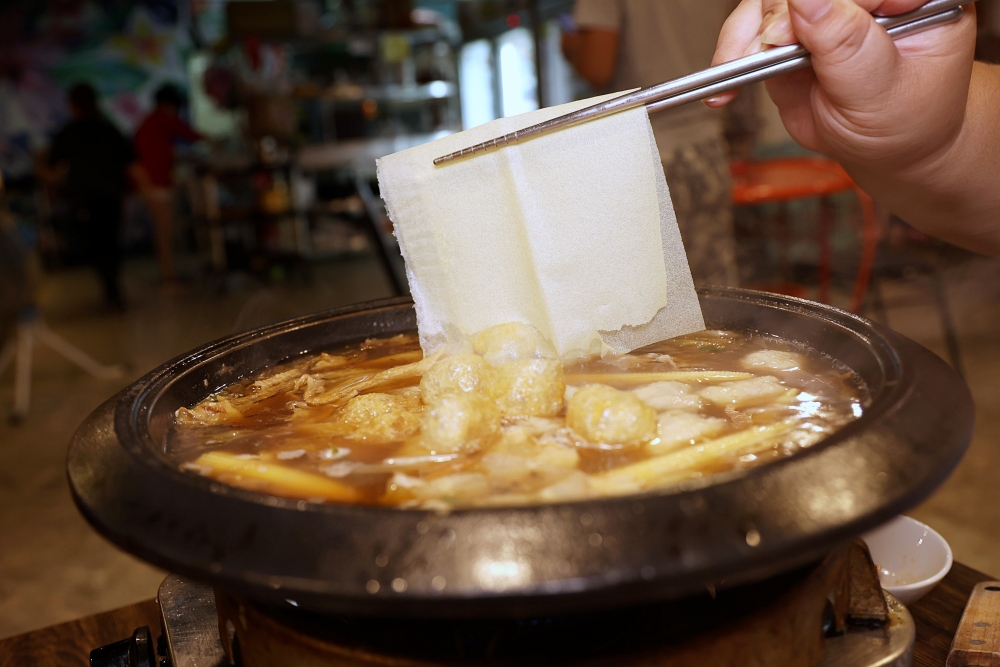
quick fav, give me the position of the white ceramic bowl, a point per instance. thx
(910, 556)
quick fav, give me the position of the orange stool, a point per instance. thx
(783, 180)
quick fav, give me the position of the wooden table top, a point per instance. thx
(937, 615)
(69, 644)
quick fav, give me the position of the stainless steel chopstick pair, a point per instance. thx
(719, 79)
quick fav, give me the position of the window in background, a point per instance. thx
(476, 83)
(518, 84)
(206, 116)
(209, 20)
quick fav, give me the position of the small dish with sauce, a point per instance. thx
(911, 557)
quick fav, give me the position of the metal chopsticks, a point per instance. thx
(716, 80)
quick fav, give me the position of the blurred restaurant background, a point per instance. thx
(271, 210)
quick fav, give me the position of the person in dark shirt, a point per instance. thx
(154, 143)
(92, 161)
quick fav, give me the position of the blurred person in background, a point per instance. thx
(625, 44)
(91, 161)
(154, 143)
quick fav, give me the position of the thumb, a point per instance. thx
(853, 57)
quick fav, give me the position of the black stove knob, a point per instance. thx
(136, 651)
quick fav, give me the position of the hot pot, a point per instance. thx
(723, 531)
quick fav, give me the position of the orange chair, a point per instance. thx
(783, 180)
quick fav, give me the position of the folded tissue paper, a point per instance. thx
(572, 232)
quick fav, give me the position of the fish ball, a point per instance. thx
(745, 393)
(680, 428)
(776, 360)
(668, 395)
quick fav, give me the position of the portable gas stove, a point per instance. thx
(831, 615)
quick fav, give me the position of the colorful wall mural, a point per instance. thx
(126, 50)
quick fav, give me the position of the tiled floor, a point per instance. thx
(966, 509)
(53, 567)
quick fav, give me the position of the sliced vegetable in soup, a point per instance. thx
(511, 424)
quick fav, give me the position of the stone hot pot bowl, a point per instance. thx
(727, 530)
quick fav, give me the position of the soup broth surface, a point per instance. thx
(378, 424)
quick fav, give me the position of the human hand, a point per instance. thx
(868, 102)
(776, 23)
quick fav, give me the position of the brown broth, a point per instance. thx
(276, 442)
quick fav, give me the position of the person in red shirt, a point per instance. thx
(154, 144)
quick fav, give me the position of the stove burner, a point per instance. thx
(734, 628)
(606, 636)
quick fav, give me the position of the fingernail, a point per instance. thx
(714, 100)
(811, 10)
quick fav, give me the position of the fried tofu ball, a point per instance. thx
(531, 388)
(460, 422)
(775, 360)
(379, 418)
(680, 428)
(745, 393)
(605, 415)
(458, 374)
(668, 395)
(513, 341)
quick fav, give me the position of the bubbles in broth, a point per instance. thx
(379, 424)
